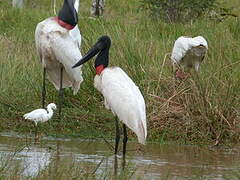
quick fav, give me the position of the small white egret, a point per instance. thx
(121, 95)
(40, 116)
(58, 42)
(188, 53)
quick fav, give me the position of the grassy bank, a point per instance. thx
(202, 109)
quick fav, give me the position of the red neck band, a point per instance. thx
(99, 69)
(63, 24)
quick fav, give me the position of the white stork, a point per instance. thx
(188, 53)
(58, 42)
(121, 95)
(40, 116)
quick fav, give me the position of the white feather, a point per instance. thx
(58, 47)
(189, 52)
(41, 115)
(124, 98)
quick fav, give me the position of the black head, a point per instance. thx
(101, 47)
(68, 13)
(103, 56)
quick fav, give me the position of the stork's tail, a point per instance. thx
(142, 134)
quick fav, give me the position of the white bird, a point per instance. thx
(121, 95)
(40, 115)
(188, 53)
(58, 42)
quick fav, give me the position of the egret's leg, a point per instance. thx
(125, 139)
(117, 135)
(36, 138)
(44, 88)
(60, 92)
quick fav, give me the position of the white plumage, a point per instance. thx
(124, 99)
(189, 52)
(41, 115)
(59, 47)
(121, 95)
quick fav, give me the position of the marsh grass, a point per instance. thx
(202, 109)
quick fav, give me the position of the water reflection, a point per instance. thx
(94, 157)
(33, 160)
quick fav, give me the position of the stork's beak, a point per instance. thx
(73, 11)
(91, 53)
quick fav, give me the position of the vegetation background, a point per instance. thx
(204, 109)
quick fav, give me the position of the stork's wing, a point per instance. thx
(125, 100)
(189, 52)
(57, 47)
(184, 44)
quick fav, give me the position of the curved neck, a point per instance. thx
(50, 112)
(76, 5)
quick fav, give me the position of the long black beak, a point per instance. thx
(91, 53)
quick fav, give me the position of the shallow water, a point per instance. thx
(150, 162)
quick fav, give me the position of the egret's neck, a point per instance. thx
(50, 112)
(76, 5)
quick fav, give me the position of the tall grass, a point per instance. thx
(202, 109)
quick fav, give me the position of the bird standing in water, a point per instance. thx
(188, 53)
(40, 116)
(121, 95)
(58, 42)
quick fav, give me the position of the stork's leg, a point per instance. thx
(97, 13)
(125, 139)
(43, 87)
(60, 92)
(117, 135)
(115, 166)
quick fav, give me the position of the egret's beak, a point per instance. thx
(91, 53)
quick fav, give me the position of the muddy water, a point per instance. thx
(151, 162)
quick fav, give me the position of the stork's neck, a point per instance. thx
(99, 69)
(76, 5)
(63, 24)
(102, 60)
(68, 16)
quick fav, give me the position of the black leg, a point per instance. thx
(125, 139)
(60, 92)
(115, 166)
(117, 135)
(97, 8)
(44, 88)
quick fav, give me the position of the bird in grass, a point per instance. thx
(40, 116)
(121, 95)
(58, 42)
(188, 53)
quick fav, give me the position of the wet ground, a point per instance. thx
(150, 162)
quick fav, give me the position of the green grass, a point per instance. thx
(202, 109)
